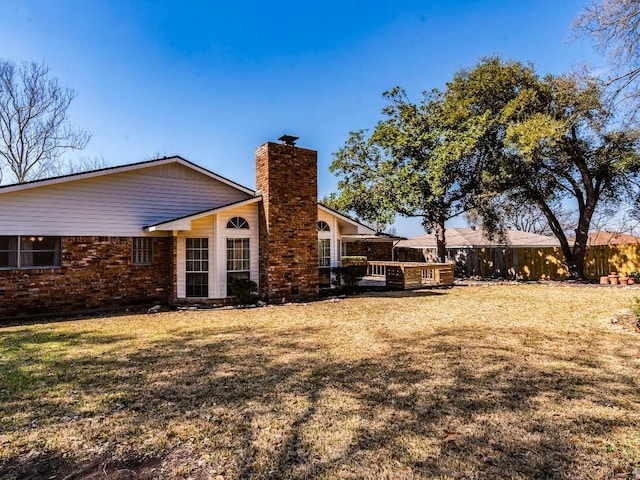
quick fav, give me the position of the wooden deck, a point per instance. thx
(407, 275)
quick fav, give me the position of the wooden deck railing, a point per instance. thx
(412, 274)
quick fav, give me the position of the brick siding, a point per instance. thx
(288, 215)
(96, 272)
(374, 251)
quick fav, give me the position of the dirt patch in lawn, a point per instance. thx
(522, 381)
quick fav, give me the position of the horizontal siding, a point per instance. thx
(250, 214)
(214, 228)
(200, 228)
(117, 204)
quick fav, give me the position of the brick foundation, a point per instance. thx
(288, 216)
(96, 272)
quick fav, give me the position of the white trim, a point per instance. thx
(346, 219)
(184, 223)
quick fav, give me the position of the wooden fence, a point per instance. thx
(543, 263)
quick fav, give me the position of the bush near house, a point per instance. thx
(349, 276)
(243, 290)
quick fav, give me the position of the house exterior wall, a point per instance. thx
(333, 235)
(374, 251)
(250, 214)
(288, 215)
(214, 228)
(95, 272)
(113, 204)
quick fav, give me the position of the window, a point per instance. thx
(197, 267)
(8, 252)
(324, 262)
(238, 264)
(323, 226)
(237, 222)
(142, 251)
(29, 251)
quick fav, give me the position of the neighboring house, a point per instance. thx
(474, 254)
(168, 230)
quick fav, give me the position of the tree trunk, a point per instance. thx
(441, 241)
(573, 257)
(575, 264)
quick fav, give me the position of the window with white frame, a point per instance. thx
(324, 262)
(238, 261)
(197, 267)
(323, 226)
(142, 251)
(237, 222)
(30, 251)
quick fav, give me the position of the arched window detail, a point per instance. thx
(323, 226)
(237, 222)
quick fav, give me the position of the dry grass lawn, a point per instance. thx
(516, 382)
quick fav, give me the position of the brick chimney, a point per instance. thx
(288, 178)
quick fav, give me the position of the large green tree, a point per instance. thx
(398, 169)
(546, 142)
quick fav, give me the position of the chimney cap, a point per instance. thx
(288, 139)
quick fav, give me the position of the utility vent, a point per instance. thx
(288, 139)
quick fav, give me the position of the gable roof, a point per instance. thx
(124, 168)
(184, 222)
(474, 237)
(611, 238)
(362, 228)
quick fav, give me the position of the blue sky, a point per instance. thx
(213, 80)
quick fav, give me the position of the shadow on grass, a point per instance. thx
(421, 292)
(254, 404)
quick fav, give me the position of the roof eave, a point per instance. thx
(184, 222)
(345, 218)
(121, 169)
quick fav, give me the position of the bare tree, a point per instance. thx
(82, 164)
(527, 217)
(34, 130)
(614, 26)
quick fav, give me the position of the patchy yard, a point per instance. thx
(495, 382)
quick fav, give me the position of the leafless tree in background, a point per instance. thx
(34, 129)
(82, 164)
(527, 217)
(614, 26)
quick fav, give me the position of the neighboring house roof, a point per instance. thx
(611, 238)
(120, 169)
(474, 238)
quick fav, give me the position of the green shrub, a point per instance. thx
(350, 275)
(243, 289)
(353, 259)
(635, 275)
